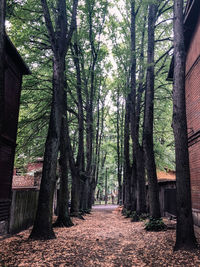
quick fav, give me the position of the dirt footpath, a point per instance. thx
(104, 238)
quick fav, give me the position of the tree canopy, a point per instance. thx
(97, 106)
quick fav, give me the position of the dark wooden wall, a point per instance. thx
(14, 69)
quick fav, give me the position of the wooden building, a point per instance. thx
(167, 192)
(15, 68)
(192, 93)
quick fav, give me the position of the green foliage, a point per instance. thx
(144, 216)
(111, 39)
(155, 225)
(126, 213)
(135, 217)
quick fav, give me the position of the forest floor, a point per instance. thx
(104, 238)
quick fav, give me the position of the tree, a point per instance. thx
(94, 33)
(148, 119)
(127, 165)
(60, 38)
(2, 44)
(78, 166)
(87, 55)
(133, 107)
(63, 219)
(119, 160)
(125, 80)
(87, 91)
(141, 183)
(184, 232)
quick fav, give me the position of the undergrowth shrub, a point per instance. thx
(144, 216)
(126, 213)
(155, 225)
(135, 217)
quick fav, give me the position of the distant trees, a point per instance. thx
(137, 68)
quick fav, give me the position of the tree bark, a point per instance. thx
(80, 155)
(90, 96)
(79, 188)
(119, 169)
(43, 223)
(63, 219)
(185, 238)
(141, 183)
(154, 204)
(106, 187)
(2, 54)
(76, 175)
(127, 167)
(133, 108)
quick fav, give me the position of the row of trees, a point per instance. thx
(138, 91)
(145, 74)
(66, 99)
(71, 50)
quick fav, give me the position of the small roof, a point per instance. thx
(191, 15)
(166, 176)
(12, 51)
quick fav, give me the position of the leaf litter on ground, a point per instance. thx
(105, 238)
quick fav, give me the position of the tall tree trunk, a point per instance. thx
(133, 108)
(75, 195)
(60, 39)
(76, 176)
(91, 94)
(99, 137)
(79, 188)
(2, 53)
(154, 204)
(96, 157)
(80, 156)
(119, 173)
(141, 184)
(106, 187)
(127, 167)
(122, 148)
(43, 223)
(85, 191)
(63, 219)
(91, 194)
(184, 231)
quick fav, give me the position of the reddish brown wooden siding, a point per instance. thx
(193, 113)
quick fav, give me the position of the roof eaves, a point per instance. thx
(11, 50)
